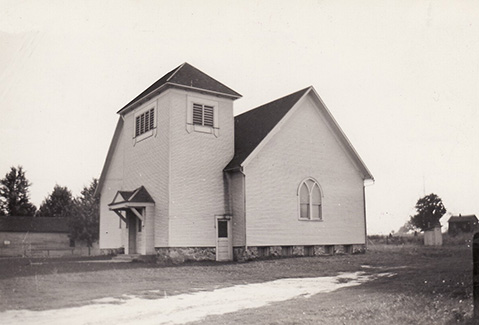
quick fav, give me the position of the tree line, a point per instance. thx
(82, 211)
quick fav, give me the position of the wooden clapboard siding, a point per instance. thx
(146, 164)
(110, 233)
(132, 165)
(196, 172)
(305, 146)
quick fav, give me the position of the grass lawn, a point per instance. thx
(430, 285)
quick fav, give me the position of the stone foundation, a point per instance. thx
(262, 252)
(112, 251)
(177, 255)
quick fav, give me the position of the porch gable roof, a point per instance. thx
(136, 197)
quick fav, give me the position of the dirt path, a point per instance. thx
(184, 308)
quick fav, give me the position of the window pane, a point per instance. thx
(304, 210)
(222, 229)
(316, 212)
(316, 195)
(304, 194)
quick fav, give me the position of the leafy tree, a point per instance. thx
(406, 228)
(58, 204)
(84, 224)
(14, 196)
(429, 210)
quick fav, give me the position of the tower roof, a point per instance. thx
(184, 76)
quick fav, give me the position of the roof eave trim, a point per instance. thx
(158, 90)
(142, 100)
(234, 169)
(109, 155)
(362, 166)
(204, 90)
(126, 205)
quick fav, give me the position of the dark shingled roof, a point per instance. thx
(253, 126)
(468, 218)
(125, 195)
(34, 224)
(140, 195)
(188, 76)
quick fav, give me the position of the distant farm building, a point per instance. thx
(462, 224)
(38, 236)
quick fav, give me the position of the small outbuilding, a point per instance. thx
(462, 224)
(433, 236)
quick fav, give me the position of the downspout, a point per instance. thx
(226, 193)
(240, 170)
(244, 207)
(364, 213)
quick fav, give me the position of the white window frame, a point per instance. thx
(315, 184)
(141, 111)
(190, 126)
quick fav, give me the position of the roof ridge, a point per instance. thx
(187, 65)
(275, 100)
(176, 70)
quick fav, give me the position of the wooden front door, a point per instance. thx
(131, 233)
(224, 239)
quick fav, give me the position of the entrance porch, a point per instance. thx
(137, 210)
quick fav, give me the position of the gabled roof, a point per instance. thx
(253, 126)
(183, 76)
(467, 218)
(34, 224)
(140, 195)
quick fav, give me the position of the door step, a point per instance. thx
(128, 258)
(125, 258)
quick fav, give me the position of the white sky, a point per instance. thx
(400, 77)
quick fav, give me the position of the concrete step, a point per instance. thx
(126, 257)
(135, 257)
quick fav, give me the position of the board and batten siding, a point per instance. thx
(305, 146)
(197, 160)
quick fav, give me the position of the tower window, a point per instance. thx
(145, 122)
(202, 116)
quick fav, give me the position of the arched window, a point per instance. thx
(309, 193)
